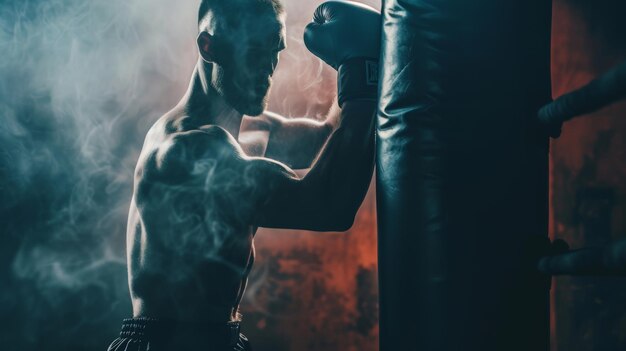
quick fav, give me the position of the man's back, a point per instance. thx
(189, 242)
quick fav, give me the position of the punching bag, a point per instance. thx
(462, 175)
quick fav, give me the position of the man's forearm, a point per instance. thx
(333, 117)
(342, 173)
(340, 177)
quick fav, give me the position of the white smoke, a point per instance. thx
(81, 83)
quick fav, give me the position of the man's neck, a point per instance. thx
(204, 106)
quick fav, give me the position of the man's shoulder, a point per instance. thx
(197, 144)
(197, 139)
(177, 155)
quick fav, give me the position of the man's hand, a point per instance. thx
(346, 35)
(343, 30)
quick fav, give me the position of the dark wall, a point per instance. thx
(589, 175)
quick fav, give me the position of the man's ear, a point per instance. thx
(206, 47)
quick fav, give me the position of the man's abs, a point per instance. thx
(183, 273)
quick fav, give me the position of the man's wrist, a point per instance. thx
(357, 78)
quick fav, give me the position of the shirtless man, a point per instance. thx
(201, 191)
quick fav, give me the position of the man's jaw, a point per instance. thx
(256, 102)
(255, 109)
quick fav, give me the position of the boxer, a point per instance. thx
(201, 190)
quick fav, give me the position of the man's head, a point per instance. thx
(239, 42)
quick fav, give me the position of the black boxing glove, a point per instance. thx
(346, 35)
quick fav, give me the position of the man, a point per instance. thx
(200, 193)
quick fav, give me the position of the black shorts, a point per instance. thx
(150, 334)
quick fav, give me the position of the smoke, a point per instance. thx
(82, 81)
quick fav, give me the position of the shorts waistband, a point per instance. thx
(147, 328)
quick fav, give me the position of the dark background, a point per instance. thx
(82, 81)
(588, 175)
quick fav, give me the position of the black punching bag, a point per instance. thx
(462, 175)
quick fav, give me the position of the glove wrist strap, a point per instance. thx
(357, 78)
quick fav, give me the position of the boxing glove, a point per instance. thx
(346, 35)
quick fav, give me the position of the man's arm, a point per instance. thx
(328, 197)
(346, 35)
(266, 193)
(295, 142)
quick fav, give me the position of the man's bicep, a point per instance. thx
(296, 141)
(285, 201)
(272, 184)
